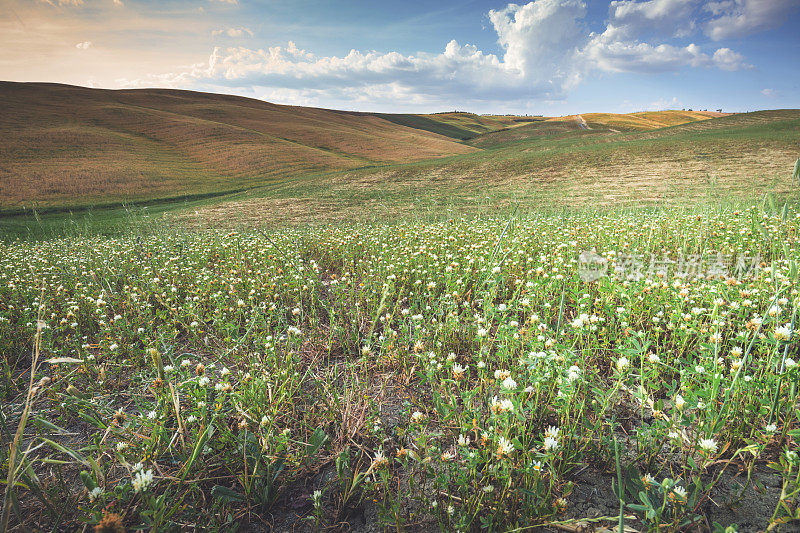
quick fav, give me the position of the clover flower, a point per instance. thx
(142, 480)
(708, 445)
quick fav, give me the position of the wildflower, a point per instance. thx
(121, 446)
(191, 419)
(316, 497)
(653, 358)
(574, 373)
(504, 447)
(623, 363)
(648, 481)
(550, 444)
(142, 480)
(790, 363)
(488, 489)
(708, 445)
(451, 510)
(680, 403)
(185, 363)
(463, 441)
(537, 466)
(482, 332)
(500, 374)
(770, 428)
(509, 383)
(783, 333)
(152, 415)
(224, 372)
(200, 369)
(678, 494)
(95, 493)
(458, 371)
(379, 460)
(552, 432)
(119, 417)
(501, 406)
(204, 381)
(417, 417)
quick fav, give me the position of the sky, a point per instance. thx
(550, 57)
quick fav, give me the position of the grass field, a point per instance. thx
(66, 147)
(546, 163)
(453, 375)
(314, 320)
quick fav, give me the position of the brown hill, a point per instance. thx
(71, 146)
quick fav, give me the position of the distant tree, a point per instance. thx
(719, 110)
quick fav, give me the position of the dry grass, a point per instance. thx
(65, 145)
(647, 120)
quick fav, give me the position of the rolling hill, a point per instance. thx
(65, 147)
(71, 146)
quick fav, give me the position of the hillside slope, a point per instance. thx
(551, 163)
(70, 146)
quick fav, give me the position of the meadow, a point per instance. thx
(574, 369)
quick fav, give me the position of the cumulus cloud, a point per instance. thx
(83, 45)
(663, 103)
(673, 16)
(737, 18)
(546, 50)
(232, 32)
(540, 37)
(624, 56)
(769, 93)
(618, 48)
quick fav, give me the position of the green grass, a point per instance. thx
(428, 124)
(434, 371)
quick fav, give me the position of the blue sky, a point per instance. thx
(542, 57)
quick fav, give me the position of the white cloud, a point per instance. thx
(539, 37)
(606, 52)
(662, 16)
(234, 2)
(663, 103)
(233, 32)
(64, 2)
(539, 40)
(769, 93)
(83, 45)
(546, 51)
(727, 59)
(736, 18)
(618, 48)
